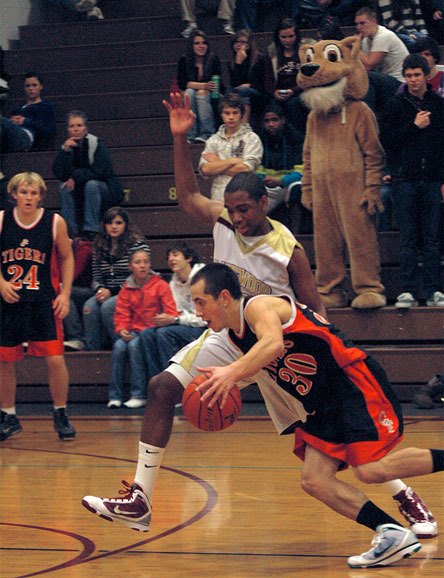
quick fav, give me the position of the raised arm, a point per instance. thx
(189, 196)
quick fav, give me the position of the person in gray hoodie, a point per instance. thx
(234, 149)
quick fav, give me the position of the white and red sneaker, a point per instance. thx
(416, 512)
(132, 509)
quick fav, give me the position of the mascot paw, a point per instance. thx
(337, 299)
(369, 300)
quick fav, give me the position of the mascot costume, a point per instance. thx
(342, 172)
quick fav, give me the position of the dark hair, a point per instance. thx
(252, 50)
(33, 74)
(415, 61)
(427, 43)
(187, 251)
(330, 29)
(249, 182)
(77, 113)
(218, 277)
(367, 11)
(232, 100)
(284, 24)
(274, 108)
(191, 57)
(131, 235)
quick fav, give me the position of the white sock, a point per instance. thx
(395, 486)
(148, 466)
(9, 410)
(56, 407)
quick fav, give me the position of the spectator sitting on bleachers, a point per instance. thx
(195, 72)
(31, 123)
(404, 18)
(74, 339)
(281, 71)
(245, 70)
(170, 333)
(412, 133)
(225, 13)
(87, 7)
(316, 11)
(381, 49)
(88, 183)
(247, 11)
(143, 296)
(111, 249)
(234, 149)
(281, 166)
(429, 49)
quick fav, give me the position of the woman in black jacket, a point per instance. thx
(88, 183)
(196, 72)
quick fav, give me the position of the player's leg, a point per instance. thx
(391, 543)
(9, 423)
(58, 380)
(164, 392)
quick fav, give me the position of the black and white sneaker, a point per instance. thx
(9, 425)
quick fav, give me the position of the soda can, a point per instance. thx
(216, 78)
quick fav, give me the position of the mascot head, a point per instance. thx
(331, 73)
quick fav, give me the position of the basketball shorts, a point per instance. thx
(32, 322)
(361, 425)
(217, 349)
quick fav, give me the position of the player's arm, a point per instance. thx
(265, 315)
(303, 283)
(66, 260)
(189, 196)
(372, 60)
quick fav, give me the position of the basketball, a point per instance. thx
(210, 418)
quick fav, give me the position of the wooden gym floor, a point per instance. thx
(227, 505)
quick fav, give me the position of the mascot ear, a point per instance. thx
(357, 81)
(303, 51)
(353, 43)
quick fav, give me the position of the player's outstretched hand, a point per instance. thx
(181, 116)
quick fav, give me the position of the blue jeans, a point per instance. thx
(408, 41)
(138, 384)
(94, 194)
(72, 324)
(13, 138)
(417, 206)
(98, 323)
(384, 220)
(201, 106)
(159, 344)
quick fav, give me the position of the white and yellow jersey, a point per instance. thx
(260, 262)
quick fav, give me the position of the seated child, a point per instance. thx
(143, 296)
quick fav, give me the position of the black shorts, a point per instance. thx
(33, 322)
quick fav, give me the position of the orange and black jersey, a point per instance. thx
(28, 255)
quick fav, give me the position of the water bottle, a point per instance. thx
(216, 78)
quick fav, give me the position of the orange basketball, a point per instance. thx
(210, 418)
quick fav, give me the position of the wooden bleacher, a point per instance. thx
(118, 71)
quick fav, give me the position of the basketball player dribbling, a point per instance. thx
(268, 260)
(353, 416)
(37, 267)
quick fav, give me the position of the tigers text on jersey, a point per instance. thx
(28, 255)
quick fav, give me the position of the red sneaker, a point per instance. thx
(416, 512)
